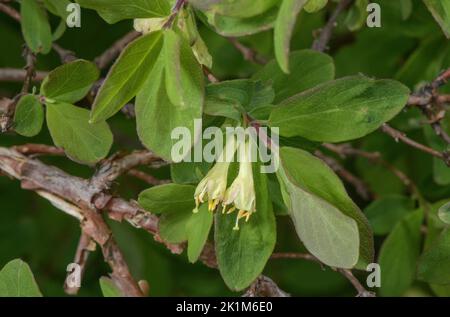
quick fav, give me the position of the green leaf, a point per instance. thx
(59, 31)
(308, 69)
(113, 11)
(242, 254)
(232, 26)
(189, 172)
(384, 213)
(35, 27)
(167, 198)
(70, 129)
(315, 5)
(357, 15)
(58, 7)
(17, 280)
(238, 95)
(184, 76)
(157, 116)
(406, 7)
(441, 172)
(327, 221)
(284, 26)
(434, 265)
(344, 109)
(172, 225)
(70, 82)
(399, 254)
(127, 76)
(242, 8)
(29, 116)
(109, 289)
(444, 213)
(197, 229)
(441, 12)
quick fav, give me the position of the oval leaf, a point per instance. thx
(340, 110)
(308, 69)
(328, 222)
(29, 116)
(70, 82)
(127, 76)
(167, 198)
(284, 25)
(242, 254)
(70, 129)
(157, 116)
(113, 11)
(197, 229)
(35, 27)
(17, 280)
(399, 254)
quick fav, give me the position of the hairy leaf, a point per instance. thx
(340, 110)
(327, 221)
(308, 69)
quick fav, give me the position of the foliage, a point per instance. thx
(361, 88)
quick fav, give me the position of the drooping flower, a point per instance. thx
(241, 193)
(213, 186)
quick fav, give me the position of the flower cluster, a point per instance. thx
(240, 195)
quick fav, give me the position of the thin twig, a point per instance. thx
(264, 287)
(10, 11)
(362, 292)
(112, 168)
(176, 8)
(19, 75)
(149, 179)
(85, 246)
(248, 53)
(30, 71)
(359, 185)
(400, 136)
(321, 43)
(210, 75)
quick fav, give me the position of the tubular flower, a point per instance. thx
(242, 192)
(213, 186)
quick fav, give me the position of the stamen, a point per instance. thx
(231, 210)
(240, 215)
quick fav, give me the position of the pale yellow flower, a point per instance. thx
(241, 193)
(213, 186)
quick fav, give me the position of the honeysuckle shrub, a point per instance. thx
(241, 64)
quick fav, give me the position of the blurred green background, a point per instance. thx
(412, 50)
